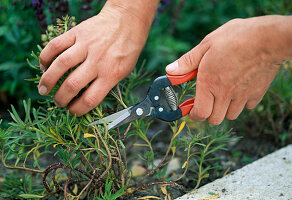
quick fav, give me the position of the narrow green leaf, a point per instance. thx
(118, 193)
(31, 196)
(31, 65)
(122, 144)
(39, 48)
(34, 56)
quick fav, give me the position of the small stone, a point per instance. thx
(172, 166)
(138, 170)
(155, 162)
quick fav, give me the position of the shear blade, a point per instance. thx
(126, 118)
(110, 118)
(120, 121)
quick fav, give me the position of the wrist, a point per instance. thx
(284, 39)
(276, 32)
(140, 10)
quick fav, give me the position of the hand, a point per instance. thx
(106, 47)
(236, 64)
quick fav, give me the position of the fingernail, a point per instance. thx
(172, 66)
(43, 90)
(57, 104)
(42, 68)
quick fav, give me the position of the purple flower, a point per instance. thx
(160, 9)
(164, 2)
(58, 8)
(38, 6)
(162, 6)
(84, 7)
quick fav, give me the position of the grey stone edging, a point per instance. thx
(269, 178)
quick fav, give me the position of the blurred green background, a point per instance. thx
(178, 26)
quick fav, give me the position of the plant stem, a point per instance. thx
(19, 168)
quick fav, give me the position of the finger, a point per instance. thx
(221, 105)
(55, 47)
(203, 104)
(68, 59)
(251, 104)
(189, 61)
(235, 108)
(91, 97)
(74, 83)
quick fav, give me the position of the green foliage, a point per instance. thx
(185, 23)
(18, 34)
(108, 193)
(14, 187)
(54, 31)
(272, 118)
(77, 161)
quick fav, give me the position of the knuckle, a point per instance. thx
(72, 85)
(90, 101)
(250, 106)
(116, 73)
(42, 58)
(187, 59)
(206, 39)
(215, 121)
(47, 80)
(64, 59)
(58, 103)
(231, 116)
(55, 44)
(196, 118)
(199, 115)
(235, 21)
(242, 96)
(252, 103)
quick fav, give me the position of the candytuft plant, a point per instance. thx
(59, 155)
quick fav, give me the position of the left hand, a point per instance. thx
(106, 47)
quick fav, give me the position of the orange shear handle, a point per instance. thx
(186, 106)
(180, 79)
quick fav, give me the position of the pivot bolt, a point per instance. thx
(160, 109)
(139, 111)
(156, 98)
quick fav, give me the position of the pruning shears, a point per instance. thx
(152, 105)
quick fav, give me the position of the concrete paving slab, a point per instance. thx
(269, 178)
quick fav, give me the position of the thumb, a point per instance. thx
(188, 62)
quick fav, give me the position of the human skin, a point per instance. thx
(106, 47)
(236, 64)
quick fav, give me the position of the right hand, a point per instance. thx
(236, 64)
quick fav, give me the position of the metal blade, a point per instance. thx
(110, 118)
(125, 118)
(127, 115)
(118, 121)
